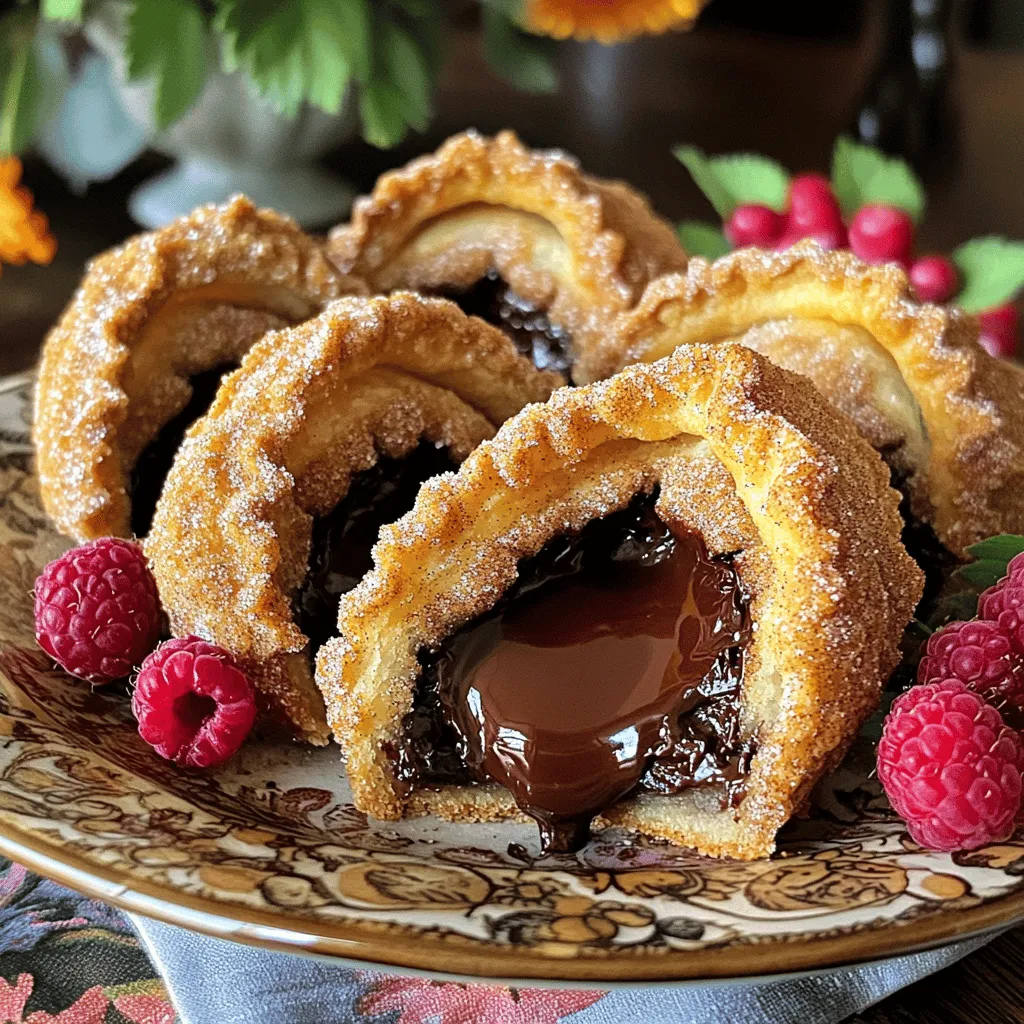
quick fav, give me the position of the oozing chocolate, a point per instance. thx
(342, 539)
(615, 660)
(536, 337)
(153, 465)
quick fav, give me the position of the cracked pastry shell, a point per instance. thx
(582, 248)
(946, 415)
(310, 407)
(747, 454)
(150, 314)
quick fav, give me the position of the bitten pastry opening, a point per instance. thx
(546, 344)
(613, 663)
(343, 538)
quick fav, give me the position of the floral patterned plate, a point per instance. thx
(269, 849)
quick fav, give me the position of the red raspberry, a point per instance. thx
(754, 224)
(97, 610)
(980, 656)
(935, 279)
(1003, 605)
(193, 704)
(882, 234)
(950, 767)
(1000, 330)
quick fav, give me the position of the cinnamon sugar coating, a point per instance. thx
(911, 375)
(748, 454)
(579, 247)
(311, 406)
(148, 315)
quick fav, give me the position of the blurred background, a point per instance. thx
(115, 122)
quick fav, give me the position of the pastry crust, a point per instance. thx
(149, 315)
(911, 376)
(311, 406)
(749, 455)
(579, 247)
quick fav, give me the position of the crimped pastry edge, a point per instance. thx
(968, 400)
(618, 244)
(833, 586)
(80, 401)
(309, 406)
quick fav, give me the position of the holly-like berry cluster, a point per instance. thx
(877, 233)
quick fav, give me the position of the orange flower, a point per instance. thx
(24, 233)
(608, 21)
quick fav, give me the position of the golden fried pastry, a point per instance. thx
(944, 414)
(323, 434)
(141, 348)
(668, 599)
(522, 238)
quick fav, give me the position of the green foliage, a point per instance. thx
(732, 180)
(21, 87)
(701, 239)
(991, 272)
(862, 174)
(524, 61)
(62, 10)
(166, 44)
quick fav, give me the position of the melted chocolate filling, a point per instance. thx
(615, 661)
(342, 539)
(533, 334)
(153, 465)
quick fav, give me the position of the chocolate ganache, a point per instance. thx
(614, 661)
(533, 334)
(153, 465)
(342, 540)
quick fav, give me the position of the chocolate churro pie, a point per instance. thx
(666, 601)
(325, 433)
(522, 238)
(911, 376)
(140, 351)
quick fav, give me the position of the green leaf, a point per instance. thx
(62, 10)
(992, 272)
(380, 107)
(737, 178)
(862, 174)
(166, 43)
(303, 50)
(983, 573)
(21, 84)
(526, 62)
(409, 73)
(1003, 547)
(701, 239)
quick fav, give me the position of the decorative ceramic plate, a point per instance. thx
(269, 850)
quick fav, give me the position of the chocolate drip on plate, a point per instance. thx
(614, 661)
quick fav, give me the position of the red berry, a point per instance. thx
(810, 189)
(935, 279)
(950, 767)
(1000, 330)
(193, 704)
(754, 224)
(827, 238)
(814, 214)
(1003, 605)
(97, 611)
(882, 234)
(980, 656)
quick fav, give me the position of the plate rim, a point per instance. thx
(372, 942)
